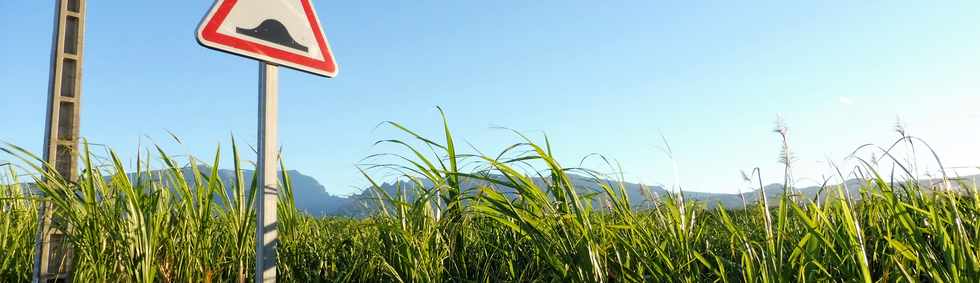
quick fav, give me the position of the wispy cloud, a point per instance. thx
(844, 100)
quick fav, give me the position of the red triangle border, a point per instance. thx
(209, 36)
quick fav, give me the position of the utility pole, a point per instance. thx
(53, 256)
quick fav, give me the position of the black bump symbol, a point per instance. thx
(273, 31)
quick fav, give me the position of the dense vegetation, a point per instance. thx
(199, 228)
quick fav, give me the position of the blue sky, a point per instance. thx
(597, 77)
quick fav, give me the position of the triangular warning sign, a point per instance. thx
(281, 32)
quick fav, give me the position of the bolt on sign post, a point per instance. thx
(53, 256)
(277, 33)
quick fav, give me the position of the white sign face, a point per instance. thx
(281, 32)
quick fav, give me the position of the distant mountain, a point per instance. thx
(311, 197)
(639, 194)
(774, 191)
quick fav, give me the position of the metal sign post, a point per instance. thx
(266, 234)
(52, 254)
(277, 33)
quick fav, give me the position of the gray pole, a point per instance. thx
(52, 254)
(266, 234)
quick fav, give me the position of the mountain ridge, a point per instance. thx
(312, 197)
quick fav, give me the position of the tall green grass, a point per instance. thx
(515, 216)
(18, 225)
